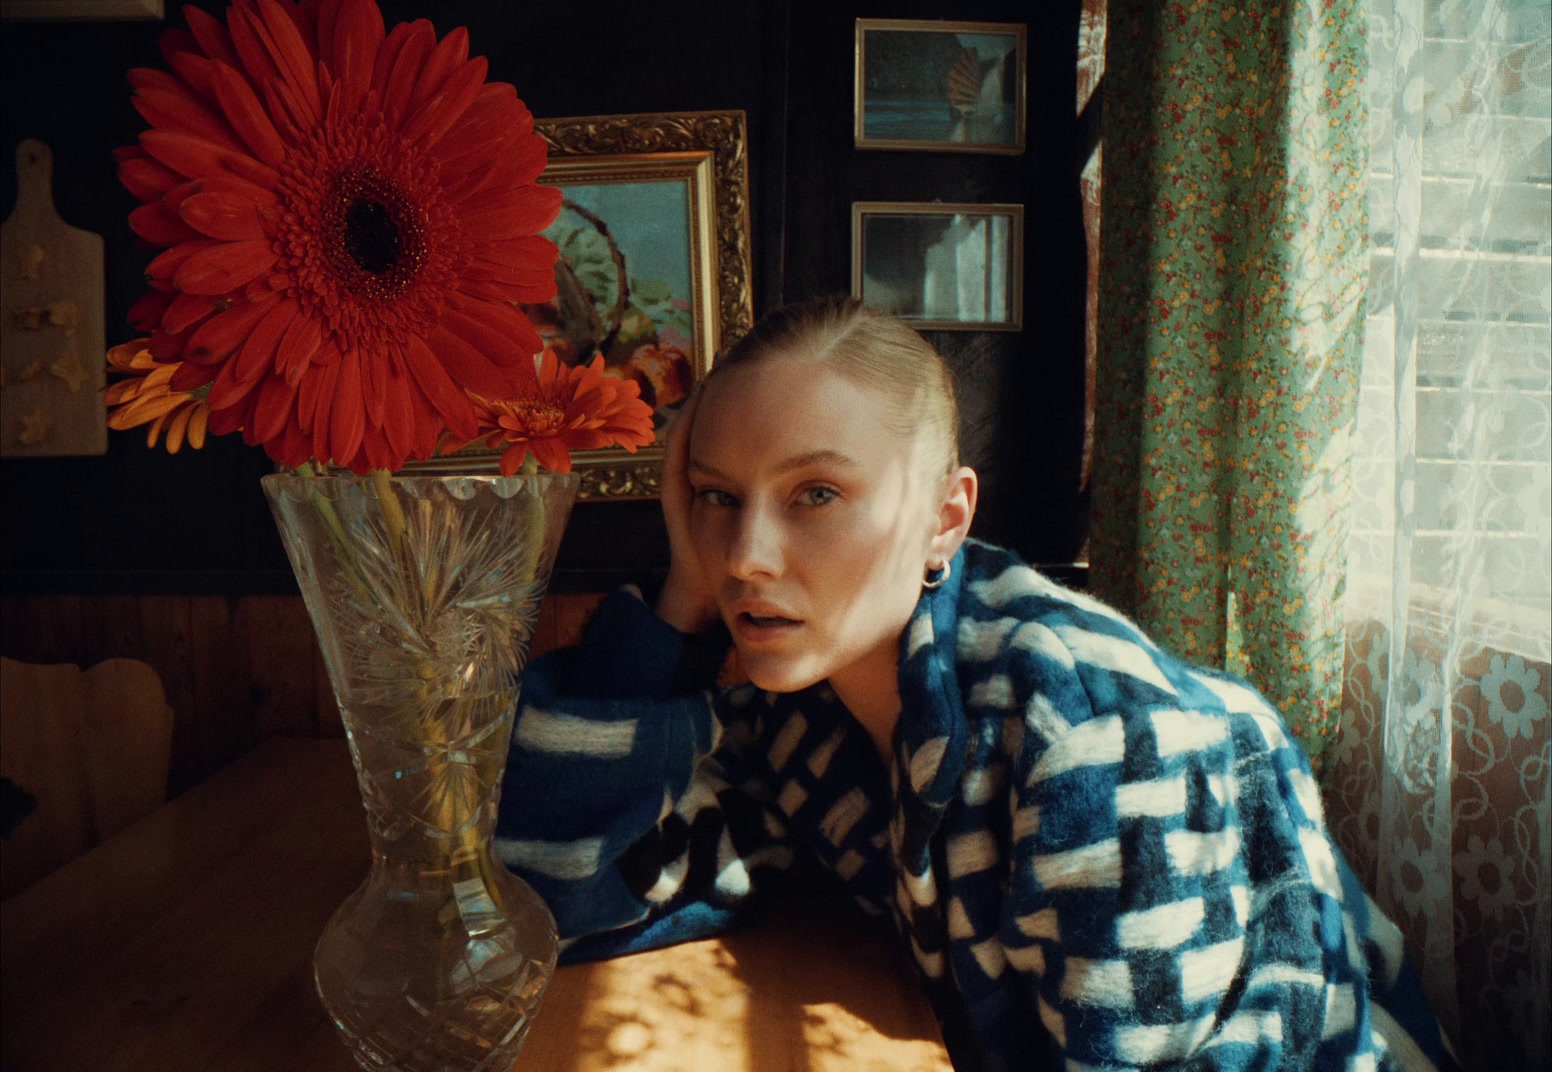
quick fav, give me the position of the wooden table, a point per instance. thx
(185, 943)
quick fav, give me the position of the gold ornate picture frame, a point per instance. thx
(654, 271)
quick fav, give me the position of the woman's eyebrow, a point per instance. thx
(697, 466)
(815, 457)
(797, 461)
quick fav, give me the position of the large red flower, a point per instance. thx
(349, 214)
(571, 407)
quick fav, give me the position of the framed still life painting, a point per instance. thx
(940, 86)
(940, 267)
(654, 267)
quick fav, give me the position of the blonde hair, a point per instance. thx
(875, 351)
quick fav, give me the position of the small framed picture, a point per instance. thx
(940, 267)
(941, 86)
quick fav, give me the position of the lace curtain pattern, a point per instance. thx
(1439, 789)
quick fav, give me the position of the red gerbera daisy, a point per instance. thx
(350, 214)
(572, 407)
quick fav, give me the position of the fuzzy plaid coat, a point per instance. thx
(1096, 855)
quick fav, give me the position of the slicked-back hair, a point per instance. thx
(877, 352)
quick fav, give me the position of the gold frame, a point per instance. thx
(1016, 30)
(860, 209)
(709, 152)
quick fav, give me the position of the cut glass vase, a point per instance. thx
(424, 591)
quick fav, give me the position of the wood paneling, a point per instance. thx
(236, 670)
(283, 666)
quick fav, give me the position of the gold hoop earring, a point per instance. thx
(942, 574)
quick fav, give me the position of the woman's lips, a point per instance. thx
(755, 628)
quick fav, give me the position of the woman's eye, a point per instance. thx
(715, 497)
(818, 496)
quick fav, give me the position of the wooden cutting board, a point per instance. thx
(51, 323)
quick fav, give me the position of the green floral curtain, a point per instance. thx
(1233, 263)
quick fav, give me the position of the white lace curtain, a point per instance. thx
(1439, 790)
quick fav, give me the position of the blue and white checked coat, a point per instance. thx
(1094, 853)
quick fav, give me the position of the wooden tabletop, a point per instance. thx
(185, 943)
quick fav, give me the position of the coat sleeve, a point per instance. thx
(1175, 902)
(619, 804)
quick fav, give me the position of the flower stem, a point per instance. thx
(342, 543)
(533, 506)
(393, 516)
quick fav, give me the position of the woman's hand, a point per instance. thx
(686, 602)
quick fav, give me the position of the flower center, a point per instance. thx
(370, 245)
(535, 417)
(372, 236)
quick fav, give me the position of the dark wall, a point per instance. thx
(1021, 394)
(137, 520)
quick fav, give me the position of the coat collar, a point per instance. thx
(931, 739)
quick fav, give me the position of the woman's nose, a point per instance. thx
(757, 545)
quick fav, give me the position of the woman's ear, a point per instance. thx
(955, 513)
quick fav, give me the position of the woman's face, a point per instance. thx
(810, 521)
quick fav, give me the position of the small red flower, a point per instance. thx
(572, 407)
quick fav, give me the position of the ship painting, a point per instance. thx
(938, 89)
(977, 97)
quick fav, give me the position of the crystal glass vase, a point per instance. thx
(424, 591)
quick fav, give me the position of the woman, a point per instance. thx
(1091, 850)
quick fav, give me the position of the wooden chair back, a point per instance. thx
(92, 748)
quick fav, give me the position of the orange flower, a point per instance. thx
(572, 407)
(350, 214)
(144, 395)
